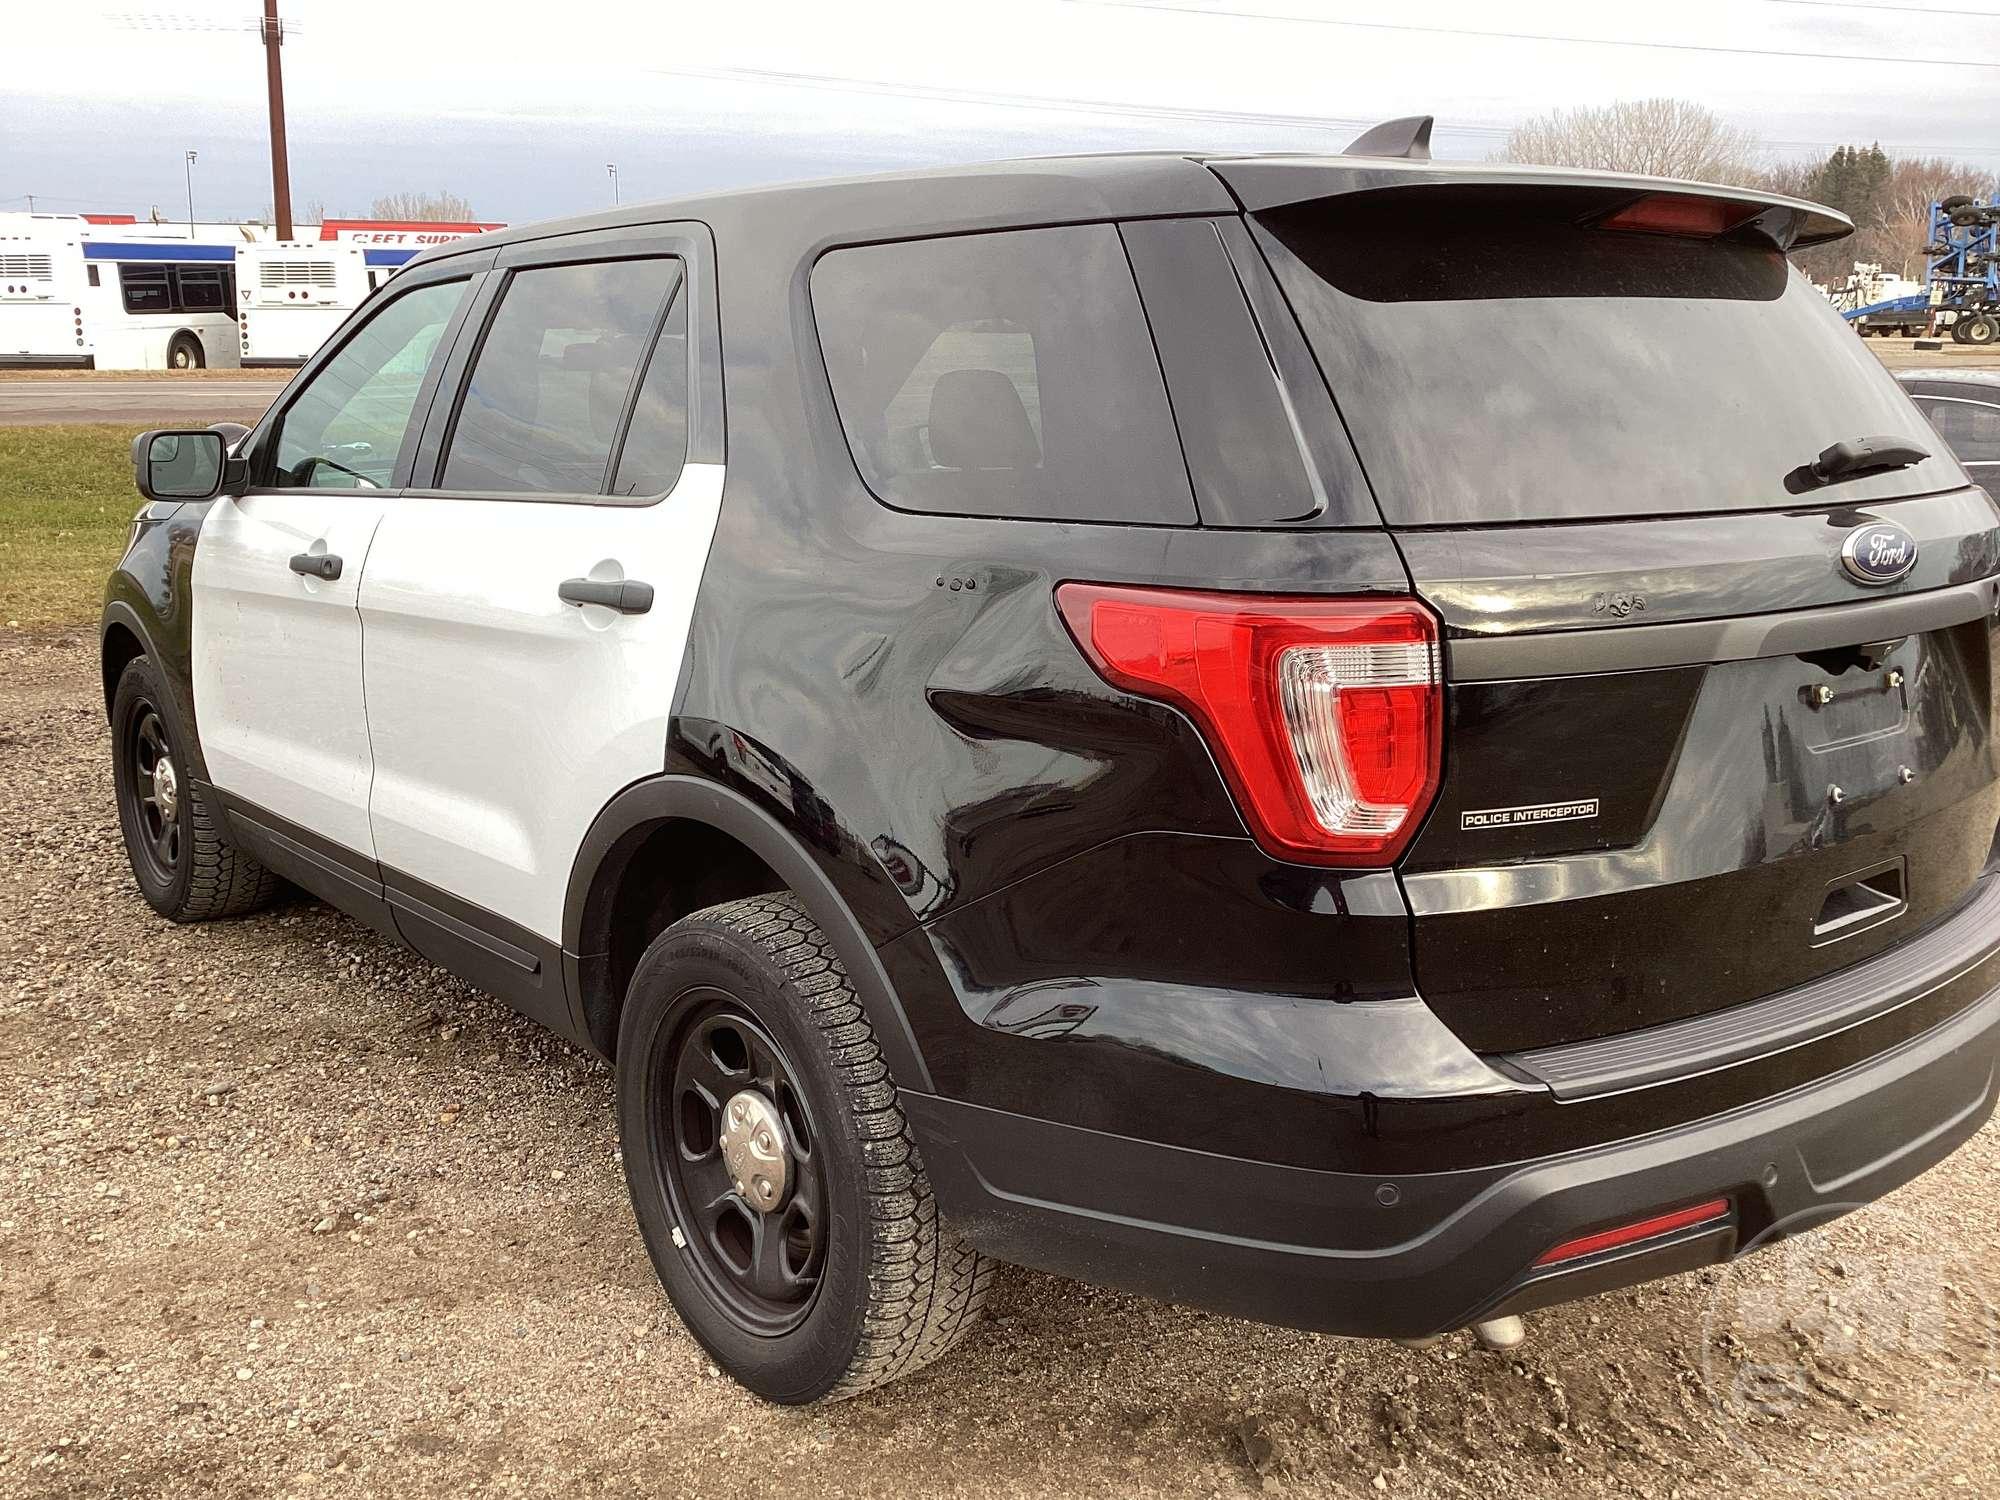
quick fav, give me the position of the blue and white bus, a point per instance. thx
(117, 295)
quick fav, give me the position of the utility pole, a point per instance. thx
(281, 172)
(190, 183)
(611, 168)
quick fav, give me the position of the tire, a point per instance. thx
(186, 866)
(185, 353)
(1981, 328)
(868, 1283)
(1956, 200)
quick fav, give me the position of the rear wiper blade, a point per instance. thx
(1865, 456)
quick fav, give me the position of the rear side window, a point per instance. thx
(1498, 358)
(554, 376)
(1005, 374)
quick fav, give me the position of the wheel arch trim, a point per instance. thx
(121, 614)
(118, 615)
(607, 850)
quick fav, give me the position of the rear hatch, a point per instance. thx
(1690, 758)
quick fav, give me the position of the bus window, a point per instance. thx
(146, 289)
(201, 289)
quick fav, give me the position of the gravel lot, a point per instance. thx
(286, 1211)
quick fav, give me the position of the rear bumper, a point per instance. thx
(1415, 1254)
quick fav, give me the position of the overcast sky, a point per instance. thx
(519, 107)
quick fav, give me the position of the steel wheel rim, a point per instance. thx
(156, 814)
(762, 1268)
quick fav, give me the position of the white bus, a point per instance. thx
(118, 295)
(291, 294)
(41, 291)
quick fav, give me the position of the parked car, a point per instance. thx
(1964, 407)
(1358, 742)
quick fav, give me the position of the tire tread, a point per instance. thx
(223, 880)
(926, 1287)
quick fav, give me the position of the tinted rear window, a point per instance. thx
(1002, 374)
(1497, 359)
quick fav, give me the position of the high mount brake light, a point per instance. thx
(1673, 213)
(1326, 715)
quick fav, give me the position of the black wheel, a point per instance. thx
(772, 1171)
(185, 865)
(1958, 330)
(1981, 328)
(185, 353)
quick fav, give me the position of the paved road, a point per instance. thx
(1903, 354)
(140, 401)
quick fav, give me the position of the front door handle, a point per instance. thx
(322, 565)
(628, 596)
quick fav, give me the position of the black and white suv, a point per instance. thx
(1358, 742)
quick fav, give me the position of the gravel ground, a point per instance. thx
(285, 1211)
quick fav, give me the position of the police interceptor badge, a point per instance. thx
(1525, 817)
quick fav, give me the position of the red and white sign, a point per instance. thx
(392, 234)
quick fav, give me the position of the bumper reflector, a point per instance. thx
(1631, 1234)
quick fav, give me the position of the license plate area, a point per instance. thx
(1862, 699)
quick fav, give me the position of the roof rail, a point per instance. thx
(1409, 138)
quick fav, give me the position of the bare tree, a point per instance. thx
(1658, 137)
(423, 206)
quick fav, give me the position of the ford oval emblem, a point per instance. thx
(1880, 552)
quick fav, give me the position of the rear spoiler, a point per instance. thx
(1264, 182)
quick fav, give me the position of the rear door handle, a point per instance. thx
(321, 565)
(628, 596)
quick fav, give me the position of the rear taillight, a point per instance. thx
(1326, 715)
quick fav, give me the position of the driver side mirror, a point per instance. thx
(183, 465)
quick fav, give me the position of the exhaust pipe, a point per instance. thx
(1494, 1333)
(1501, 1333)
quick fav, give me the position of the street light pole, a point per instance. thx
(190, 183)
(611, 167)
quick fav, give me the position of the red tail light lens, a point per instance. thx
(1326, 715)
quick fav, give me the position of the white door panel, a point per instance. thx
(503, 719)
(277, 657)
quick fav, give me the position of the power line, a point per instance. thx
(1047, 102)
(1894, 10)
(1055, 103)
(1166, 7)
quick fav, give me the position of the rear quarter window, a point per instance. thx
(1007, 374)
